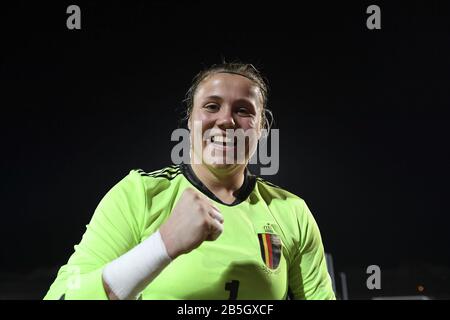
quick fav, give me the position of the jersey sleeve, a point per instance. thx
(114, 229)
(308, 274)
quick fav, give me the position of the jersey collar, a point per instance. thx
(241, 194)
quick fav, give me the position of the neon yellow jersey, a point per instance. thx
(270, 247)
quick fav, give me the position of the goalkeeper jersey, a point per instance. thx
(270, 248)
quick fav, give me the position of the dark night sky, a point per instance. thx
(363, 116)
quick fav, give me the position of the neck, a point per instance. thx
(223, 182)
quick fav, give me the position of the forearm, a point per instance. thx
(125, 277)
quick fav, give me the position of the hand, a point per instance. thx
(193, 220)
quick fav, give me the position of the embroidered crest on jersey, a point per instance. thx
(270, 245)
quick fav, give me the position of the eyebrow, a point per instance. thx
(214, 97)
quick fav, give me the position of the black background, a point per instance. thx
(363, 118)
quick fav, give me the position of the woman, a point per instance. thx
(204, 230)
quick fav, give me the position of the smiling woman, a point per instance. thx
(224, 104)
(207, 229)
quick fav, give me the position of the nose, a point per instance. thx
(225, 119)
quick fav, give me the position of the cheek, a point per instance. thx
(201, 121)
(205, 117)
(251, 123)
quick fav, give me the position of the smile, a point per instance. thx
(223, 142)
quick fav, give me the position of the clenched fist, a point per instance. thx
(193, 220)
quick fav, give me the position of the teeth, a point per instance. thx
(222, 139)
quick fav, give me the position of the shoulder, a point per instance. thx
(140, 183)
(270, 192)
(289, 206)
(157, 180)
(167, 173)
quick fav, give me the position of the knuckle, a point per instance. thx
(205, 223)
(195, 195)
(198, 207)
(203, 210)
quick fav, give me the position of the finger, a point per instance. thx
(216, 214)
(214, 206)
(217, 226)
(216, 230)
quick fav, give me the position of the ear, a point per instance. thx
(189, 124)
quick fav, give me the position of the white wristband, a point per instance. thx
(129, 274)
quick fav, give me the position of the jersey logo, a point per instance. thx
(270, 245)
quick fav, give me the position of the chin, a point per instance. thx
(219, 164)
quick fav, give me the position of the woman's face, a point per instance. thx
(227, 107)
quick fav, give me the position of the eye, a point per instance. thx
(212, 107)
(243, 111)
